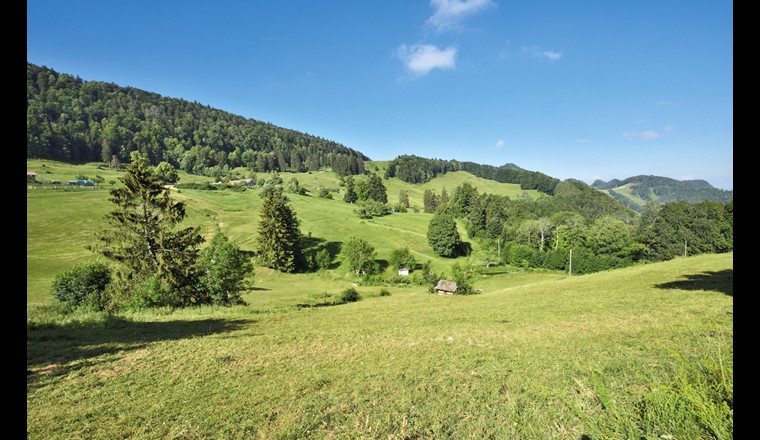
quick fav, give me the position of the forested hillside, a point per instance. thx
(415, 169)
(635, 192)
(78, 121)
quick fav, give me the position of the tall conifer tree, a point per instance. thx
(141, 234)
(279, 236)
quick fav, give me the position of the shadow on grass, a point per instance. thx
(313, 245)
(56, 350)
(721, 281)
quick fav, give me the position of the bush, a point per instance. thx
(385, 292)
(82, 286)
(349, 295)
(323, 259)
(223, 271)
(149, 292)
(324, 193)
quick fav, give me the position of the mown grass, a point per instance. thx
(641, 352)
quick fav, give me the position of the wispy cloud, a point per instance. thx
(648, 135)
(500, 143)
(552, 55)
(669, 128)
(537, 52)
(422, 58)
(448, 13)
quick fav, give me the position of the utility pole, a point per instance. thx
(570, 270)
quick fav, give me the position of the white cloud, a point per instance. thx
(422, 58)
(648, 135)
(448, 13)
(500, 143)
(537, 52)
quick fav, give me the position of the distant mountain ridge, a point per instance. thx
(637, 191)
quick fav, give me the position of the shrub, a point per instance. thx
(324, 193)
(385, 292)
(82, 286)
(223, 270)
(349, 295)
(323, 259)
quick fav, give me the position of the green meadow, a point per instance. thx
(640, 352)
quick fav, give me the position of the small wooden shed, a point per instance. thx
(403, 271)
(445, 287)
(31, 176)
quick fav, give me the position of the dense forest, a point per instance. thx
(414, 169)
(601, 233)
(662, 190)
(78, 121)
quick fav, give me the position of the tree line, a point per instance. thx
(540, 233)
(415, 169)
(78, 121)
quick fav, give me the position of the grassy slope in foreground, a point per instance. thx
(644, 351)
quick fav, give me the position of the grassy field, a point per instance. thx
(641, 352)
(60, 223)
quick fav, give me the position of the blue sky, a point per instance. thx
(586, 90)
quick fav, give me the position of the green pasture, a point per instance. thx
(643, 352)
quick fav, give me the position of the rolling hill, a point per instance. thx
(639, 352)
(637, 191)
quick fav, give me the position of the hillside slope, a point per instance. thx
(635, 192)
(78, 121)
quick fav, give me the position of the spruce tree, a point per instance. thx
(141, 233)
(443, 235)
(350, 196)
(376, 189)
(279, 237)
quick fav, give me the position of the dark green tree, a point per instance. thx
(430, 201)
(279, 237)
(350, 196)
(223, 270)
(376, 189)
(443, 235)
(141, 235)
